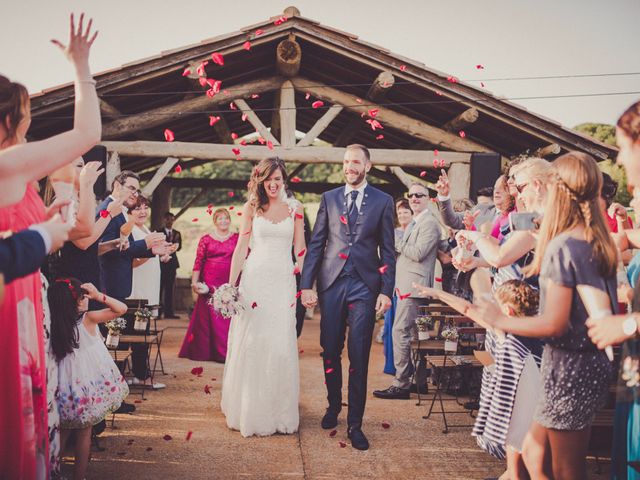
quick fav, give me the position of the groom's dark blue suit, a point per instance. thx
(345, 254)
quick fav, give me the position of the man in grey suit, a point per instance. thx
(416, 263)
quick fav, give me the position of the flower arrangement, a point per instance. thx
(142, 317)
(116, 325)
(423, 323)
(450, 334)
(226, 300)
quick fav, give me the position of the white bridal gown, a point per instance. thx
(261, 382)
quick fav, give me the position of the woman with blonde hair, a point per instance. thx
(261, 382)
(207, 334)
(573, 248)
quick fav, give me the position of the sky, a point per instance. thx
(511, 38)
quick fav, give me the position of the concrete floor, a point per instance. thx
(411, 448)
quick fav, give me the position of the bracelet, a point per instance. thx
(90, 81)
(104, 298)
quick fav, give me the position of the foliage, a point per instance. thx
(600, 131)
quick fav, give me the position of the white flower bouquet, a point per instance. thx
(226, 300)
(116, 325)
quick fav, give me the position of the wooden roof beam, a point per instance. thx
(381, 86)
(163, 115)
(462, 121)
(288, 57)
(551, 149)
(255, 121)
(207, 151)
(321, 125)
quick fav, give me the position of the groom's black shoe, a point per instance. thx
(393, 393)
(358, 440)
(330, 420)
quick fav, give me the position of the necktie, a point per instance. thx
(353, 209)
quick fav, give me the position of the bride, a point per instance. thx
(261, 382)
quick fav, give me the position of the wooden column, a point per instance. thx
(160, 203)
(380, 86)
(113, 168)
(463, 120)
(255, 121)
(552, 149)
(287, 115)
(159, 176)
(460, 180)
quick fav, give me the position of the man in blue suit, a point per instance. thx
(351, 254)
(117, 265)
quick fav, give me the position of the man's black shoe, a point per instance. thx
(393, 393)
(330, 420)
(358, 440)
(126, 408)
(424, 389)
(472, 405)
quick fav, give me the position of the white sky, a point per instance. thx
(511, 38)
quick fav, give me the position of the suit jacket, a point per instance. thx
(116, 266)
(21, 254)
(175, 237)
(453, 219)
(370, 245)
(418, 254)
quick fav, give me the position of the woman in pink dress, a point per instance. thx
(207, 334)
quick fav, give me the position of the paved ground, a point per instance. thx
(411, 448)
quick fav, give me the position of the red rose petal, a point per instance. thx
(168, 135)
(442, 163)
(167, 437)
(202, 81)
(178, 169)
(423, 173)
(342, 444)
(207, 389)
(307, 96)
(462, 134)
(385, 425)
(299, 216)
(373, 112)
(452, 79)
(317, 104)
(232, 106)
(343, 256)
(258, 32)
(375, 124)
(189, 433)
(213, 120)
(234, 135)
(194, 219)
(301, 351)
(217, 58)
(197, 370)
(299, 293)
(333, 433)
(280, 20)
(239, 214)
(343, 219)
(200, 70)
(435, 163)
(254, 305)
(295, 180)
(328, 371)
(243, 142)
(302, 252)
(480, 67)
(186, 72)
(236, 151)
(211, 93)
(231, 195)
(379, 137)
(383, 269)
(403, 68)
(104, 213)
(137, 401)
(244, 117)
(438, 279)
(270, 145)
(296, 270)
(435, 153)
(247, 45)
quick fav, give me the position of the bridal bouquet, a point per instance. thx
(226, 300)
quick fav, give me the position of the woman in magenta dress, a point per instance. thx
(207, 334)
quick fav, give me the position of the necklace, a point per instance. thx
(221, 238)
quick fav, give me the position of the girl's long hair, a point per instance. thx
(13, 96)
(573, 202)
(63, 295)
(261, 172)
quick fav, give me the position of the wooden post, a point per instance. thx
(287, 115)
(462, 121)
(319, 127)
(290, 12)
(403, 176)
(113, 169)
(288, 58)
(380, 86)
(255, 121)
(159, 176)
(552, 149)
(460, 180)
(160, 204)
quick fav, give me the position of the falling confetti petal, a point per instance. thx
(270, 145)
(333, 433)
(438, 279)
(280, 20)
(234, 135)
(435, 163)
(239, 214)
(302, 252)
(213, 120)
(383, 269)
(200, 70)
(211, 93)
(259, 32)
(207, 389)
(317, 104)
(452, 79)
(480, 67)
(232, 106)
(328, 371)
(247, 45)
(194, 219)
(342, 444)
(435, 153)
(202, 81)
(373, 112)
(236, 151)
(299, 294)
(186, 72)
(244, 117)
(104, 213)
(189, 433)
(197, 370)
(343, 219)
(462, 134)
(385, 425)
(343, 256)
(403, 68)
(379, 137)
(178, 169)
(167, 437)
(295, 180)
(375, 124)
(423, 174)
(296, 270)
(254, 305)
(442, 163)
(217, 58)
(231, 207)
(168, 135)
(261, 140)
(307, 96)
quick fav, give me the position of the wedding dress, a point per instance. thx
(261, 382)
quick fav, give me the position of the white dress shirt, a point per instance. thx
(347, 191)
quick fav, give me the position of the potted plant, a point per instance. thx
(114, 326)
(450, 336)
(423, 324)
(142, 317)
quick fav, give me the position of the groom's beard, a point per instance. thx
(359, 179)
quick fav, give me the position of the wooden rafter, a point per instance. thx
(319, 127)
(551, 149)
(462, 121)
(255, 121)
(381, 86)
(160, 174)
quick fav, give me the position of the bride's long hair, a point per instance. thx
(261, 172)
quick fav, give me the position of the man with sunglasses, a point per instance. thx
(416, 264)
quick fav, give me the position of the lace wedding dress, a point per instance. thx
(261, 382)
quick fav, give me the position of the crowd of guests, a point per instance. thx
(526, 264)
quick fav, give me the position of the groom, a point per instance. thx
(352, 255)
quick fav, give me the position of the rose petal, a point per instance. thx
(403, 68)
(342, 444)
(307, 96)
(178, 169)
(373, 112)
(200, 70)
(385, 425)
(343, 219)
(137, 401)
(234, 135)
(438, 279)
(435, 152)
(168, 135)
(442, 163)
(452, 79)
(207, 389)
(232, 106)
(328, 371)
(258, 32)
(239, 214)
(213, 120)
(359, 100)
(244, 117)
(317, 104)
(189, 433)
(167, 438)
(383, 269)
(254, 305)
(230, 194)
(211, 93)
(217, 58)
(186, 72)
(197, 370)
(296, 270)
(301, 351)
(379, 137)
(462, 134)
(236, 151)
(270, 145)
(231, 207)
(480, 67)
(247, 45)
(280, 20)
(333, 433)
(423, 173)
(298, 294)
(295, 180)
(343, 256)
(435, 163)
(302, 252)
(375, 124)
(104, 213)
(194, 219)
(299, 216)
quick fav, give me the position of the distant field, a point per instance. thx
(193, 229)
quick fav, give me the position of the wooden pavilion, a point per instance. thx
(303, 91)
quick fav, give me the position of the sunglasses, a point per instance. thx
(416, 195)
(521, 187)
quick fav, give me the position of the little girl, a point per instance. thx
(90, 384)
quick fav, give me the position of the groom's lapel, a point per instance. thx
(363, 210)
(341, 203)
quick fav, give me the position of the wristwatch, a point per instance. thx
(629, 326)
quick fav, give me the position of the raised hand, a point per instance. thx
(442, 186)
(617, 210)
(90, 173)
(77, 50)
(56, 207)
(469, 219)
(92, 291)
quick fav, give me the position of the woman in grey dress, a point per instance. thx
(574, 248)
